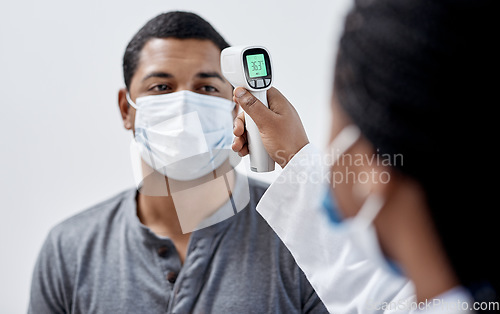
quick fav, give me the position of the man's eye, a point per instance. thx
(160, 87)
(209, 89)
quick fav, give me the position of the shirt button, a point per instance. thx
(171, 277)
(162, 251)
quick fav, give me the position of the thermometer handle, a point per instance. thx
(260, 161)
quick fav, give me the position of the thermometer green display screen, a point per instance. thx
(256, 65)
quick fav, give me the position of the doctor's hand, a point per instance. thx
(282, 132)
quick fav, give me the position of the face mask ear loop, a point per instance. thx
(369, 210)
(374, 203)
(142, 132)
(343, 141)
(130, 102)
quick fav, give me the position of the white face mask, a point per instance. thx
(359, 229)
(183, 135)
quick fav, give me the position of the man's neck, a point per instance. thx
(159, 214)
(183, 204)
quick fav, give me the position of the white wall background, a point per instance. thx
(63, 147)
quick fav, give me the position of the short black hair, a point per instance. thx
(177, 24)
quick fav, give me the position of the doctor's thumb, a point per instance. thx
(253, 107)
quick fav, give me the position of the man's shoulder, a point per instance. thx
(249, 219)
(253, 236)
(91, 220)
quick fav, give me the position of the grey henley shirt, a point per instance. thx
(104, 260)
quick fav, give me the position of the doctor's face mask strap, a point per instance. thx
(182, 149)
(337, 148)
(343, 141)
(358, 229)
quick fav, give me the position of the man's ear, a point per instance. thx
(127, 112)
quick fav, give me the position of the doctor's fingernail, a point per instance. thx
(240, 92)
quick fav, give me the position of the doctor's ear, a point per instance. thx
(381, 183)
(127, 112)
(373, 177)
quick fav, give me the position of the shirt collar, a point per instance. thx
(240, 199)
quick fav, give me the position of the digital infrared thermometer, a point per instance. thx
(250, 67)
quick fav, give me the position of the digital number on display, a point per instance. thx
(256, 65)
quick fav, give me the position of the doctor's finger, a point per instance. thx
(239, 124)
(244, 151)
(277, 102)
(239, 142)
(253, 107)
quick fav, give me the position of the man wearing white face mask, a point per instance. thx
(183, 134)
(189, 240)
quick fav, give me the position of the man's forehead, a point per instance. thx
(179, 50)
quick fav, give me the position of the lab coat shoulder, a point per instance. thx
(345, 282)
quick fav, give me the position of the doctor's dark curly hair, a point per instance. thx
(417, 77)
(181, 25)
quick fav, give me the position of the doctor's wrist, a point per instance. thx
(283, 157)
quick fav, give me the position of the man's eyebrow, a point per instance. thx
(158, 74)
(209, 75)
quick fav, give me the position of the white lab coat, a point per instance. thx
(344, 280)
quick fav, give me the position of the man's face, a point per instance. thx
(168, 65)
